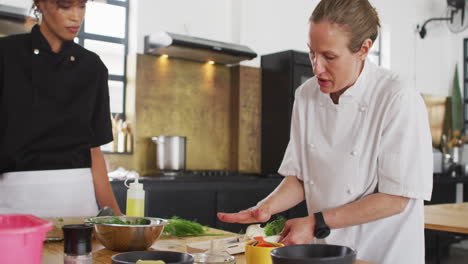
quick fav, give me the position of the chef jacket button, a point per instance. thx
(72, 58)
(353, 153)
(36, 51)
(362, 109)
(311, 146)
(350, 191)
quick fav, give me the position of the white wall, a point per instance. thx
(26, 4)
(269, 26)
(211, 19)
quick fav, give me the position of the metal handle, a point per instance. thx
(157, 140)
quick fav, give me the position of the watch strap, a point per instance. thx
(319, 220)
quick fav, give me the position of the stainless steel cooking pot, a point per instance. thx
(170, 153)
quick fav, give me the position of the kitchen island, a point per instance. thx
(53, 251)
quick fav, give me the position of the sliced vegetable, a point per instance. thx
(259, 239)
(260, 242)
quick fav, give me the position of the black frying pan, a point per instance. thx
(313, 254)
(167, 256)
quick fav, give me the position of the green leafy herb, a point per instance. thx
(181, 227)
(60, 220)
(276, 226)
(115, 220)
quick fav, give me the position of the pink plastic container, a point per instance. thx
(22, 238)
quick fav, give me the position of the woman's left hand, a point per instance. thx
(298, 231)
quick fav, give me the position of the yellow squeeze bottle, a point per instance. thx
(135, 199)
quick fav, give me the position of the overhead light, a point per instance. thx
(164, 56)
(211, 62)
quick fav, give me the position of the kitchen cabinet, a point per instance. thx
(282, 74)
(200, 198)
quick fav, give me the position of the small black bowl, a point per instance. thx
(169, 257)
(313, 254)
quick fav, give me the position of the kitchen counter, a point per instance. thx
(53, 251)
(447, 217)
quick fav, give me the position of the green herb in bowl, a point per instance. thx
(115, 220)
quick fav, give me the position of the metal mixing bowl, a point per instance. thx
(120, 237)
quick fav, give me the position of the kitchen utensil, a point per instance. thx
(313, 254)
(119, 237)
(169, 257)
(106, 211)
(232, 245)
(170, 153)
(77, 244)
(21, 238)
(258, 255)
(213, 258)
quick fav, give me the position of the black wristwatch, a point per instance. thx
(321, 229)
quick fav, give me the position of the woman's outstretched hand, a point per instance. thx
(254, 214)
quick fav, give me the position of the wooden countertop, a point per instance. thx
(53, 251)
(447, 217)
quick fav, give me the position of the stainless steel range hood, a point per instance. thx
(197, 49)
(12, 20)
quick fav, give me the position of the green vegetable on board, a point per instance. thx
(180, 227)
(276, 226)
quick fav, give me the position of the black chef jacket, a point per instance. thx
(54, 107)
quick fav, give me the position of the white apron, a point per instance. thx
(377, 139)
(48, 193)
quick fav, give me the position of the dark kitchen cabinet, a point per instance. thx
(282, 74)
(182, 200)
(200, 199)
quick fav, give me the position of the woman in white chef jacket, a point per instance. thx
(360, 148)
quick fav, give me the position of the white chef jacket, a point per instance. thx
(377, 139)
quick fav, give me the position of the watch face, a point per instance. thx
(322, 232)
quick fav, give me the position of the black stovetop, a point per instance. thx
(203, 174)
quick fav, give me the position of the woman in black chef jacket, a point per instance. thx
(54, 116)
